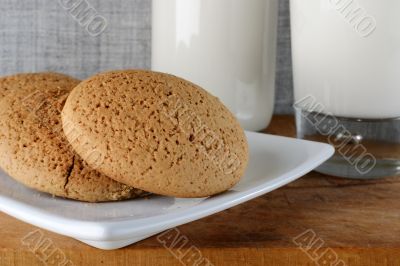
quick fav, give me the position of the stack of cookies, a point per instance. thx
(118, 135)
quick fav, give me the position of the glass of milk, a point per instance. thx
(228, 47)
(346, 64)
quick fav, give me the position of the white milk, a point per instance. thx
(346, 53)
(225, 46)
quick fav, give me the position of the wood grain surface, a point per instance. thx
(317, 220)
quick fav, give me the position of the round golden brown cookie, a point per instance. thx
(34, 150)
(157, 132)
(19, 81)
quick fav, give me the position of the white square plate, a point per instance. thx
(274, 162)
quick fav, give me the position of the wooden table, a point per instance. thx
(357, 221)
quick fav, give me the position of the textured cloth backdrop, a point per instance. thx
(45, 35)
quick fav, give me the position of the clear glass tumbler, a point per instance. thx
(226, 46)
(346, 61)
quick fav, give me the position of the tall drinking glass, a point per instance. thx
(346, 63)
(226, 46)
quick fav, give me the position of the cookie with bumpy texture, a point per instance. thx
(157, 132)
(34, 150)
(19, 81)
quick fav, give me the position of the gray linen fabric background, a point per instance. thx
(42, 35)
